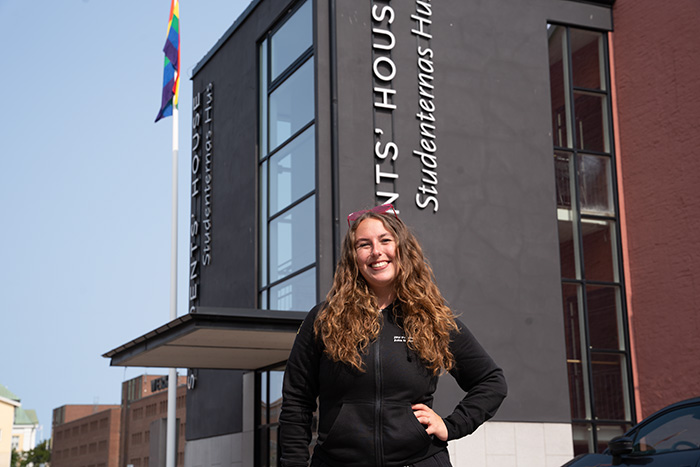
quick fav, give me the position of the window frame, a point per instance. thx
(267, 86)
(576, 153)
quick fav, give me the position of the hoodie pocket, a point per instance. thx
(403, 435)
(351, 436)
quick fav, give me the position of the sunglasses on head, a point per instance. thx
(383, 209)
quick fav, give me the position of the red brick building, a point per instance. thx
(657, 77)
(144, 413)
(86, 435)
(119, 435)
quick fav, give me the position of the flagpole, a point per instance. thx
(171, 440)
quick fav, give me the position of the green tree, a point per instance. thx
(15, 458)
(41, 454)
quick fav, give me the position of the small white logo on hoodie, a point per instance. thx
(402, 339)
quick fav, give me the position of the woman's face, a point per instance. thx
(375, 247)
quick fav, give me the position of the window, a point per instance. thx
(593, 298)
(287, 196)
(674, 431)
(287, 164)
(269, 387)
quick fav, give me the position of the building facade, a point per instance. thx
(541, 151)
(9, 402)
(143, 420)
(130, 434)
(24, 429)
(18, 426)
(85, 435)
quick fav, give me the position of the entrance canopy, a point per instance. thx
(216, 338)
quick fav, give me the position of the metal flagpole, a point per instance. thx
(171, 440)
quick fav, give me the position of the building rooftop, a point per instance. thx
(7, 394)
(25, 417)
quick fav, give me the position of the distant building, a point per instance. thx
(24, 429)
(143, 420)
(85, 435)
(118, 435)
(18, 426)
(8, 403)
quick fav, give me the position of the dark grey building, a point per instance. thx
(469, 116)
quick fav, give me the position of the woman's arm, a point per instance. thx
(478, 375)
(299, 393)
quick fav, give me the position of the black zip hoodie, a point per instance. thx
(365, 419)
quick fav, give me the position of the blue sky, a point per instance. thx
(86, 188)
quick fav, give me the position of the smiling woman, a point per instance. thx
(375, 248)
(371, 355)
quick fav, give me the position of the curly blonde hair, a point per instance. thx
(351, 319)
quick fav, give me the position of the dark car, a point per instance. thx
(668, 438)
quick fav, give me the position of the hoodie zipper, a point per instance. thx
(378, 448)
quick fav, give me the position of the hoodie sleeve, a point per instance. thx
(299, 393)
(479, 376)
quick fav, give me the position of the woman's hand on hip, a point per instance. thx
(433, 422)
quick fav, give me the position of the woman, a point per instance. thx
(372, 353)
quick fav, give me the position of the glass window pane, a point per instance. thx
(263, 398)
(293, 240)
(263, 100)
(599, 249)
(604, 327)
(292, 104)
(573, 322)
(563, 171)
(595, 185)
(292, 173)
(273, 446)
(575, 350)
(292, 39)
(559, 90)
(609, 386)
(568, 241)
(587, 59)
(583, 438)
(263, 224)
(568, 225)
(675, 431)
(295, 294)
(276, 378)
(591, 122)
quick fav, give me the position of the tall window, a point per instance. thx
(593, 297)
(267, 413)
(287, 164)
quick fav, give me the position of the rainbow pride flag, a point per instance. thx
(171, 71)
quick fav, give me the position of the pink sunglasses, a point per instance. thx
(384, 208)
